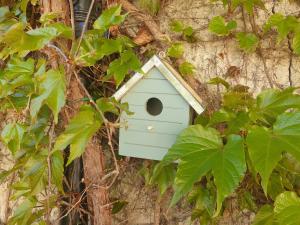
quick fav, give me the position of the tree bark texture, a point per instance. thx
(93, 162)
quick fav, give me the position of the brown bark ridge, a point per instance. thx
(93, 159)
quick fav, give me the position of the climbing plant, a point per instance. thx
(249, 145)
(33, 93)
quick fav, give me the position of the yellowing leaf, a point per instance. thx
(51, 92)
(78, 132)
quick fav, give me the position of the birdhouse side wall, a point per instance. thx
(143, 135)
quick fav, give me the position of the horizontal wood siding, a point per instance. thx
(158, 127)
(172, 115)
(175, 101)
(144, 152)
(136, 139)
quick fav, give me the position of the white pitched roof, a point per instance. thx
(171, 75)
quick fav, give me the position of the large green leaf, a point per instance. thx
(273, 102)
(287, 130)
(78, 132)
(287, 208)
(201, 150)
(266, 146)
(52, 89)
(109, 17)
(12, 136)
(265, 152)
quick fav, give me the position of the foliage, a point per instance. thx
(256, 133)
(36, 93)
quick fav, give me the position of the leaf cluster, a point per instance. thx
(247, 135)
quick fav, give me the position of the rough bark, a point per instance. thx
(92, 158)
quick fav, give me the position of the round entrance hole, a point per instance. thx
(154, 106)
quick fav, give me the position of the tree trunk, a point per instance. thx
(92, 158)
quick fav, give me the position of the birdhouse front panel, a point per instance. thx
(160, 114)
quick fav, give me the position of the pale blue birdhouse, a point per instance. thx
(162, 103)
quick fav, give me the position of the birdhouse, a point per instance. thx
(162, 103)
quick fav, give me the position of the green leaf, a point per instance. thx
(78, 132)
(219, 80)
(120, 67)
(266, 146)
(118, 206)
(249, 5)
(265, 216)
(201, 150)
(176, 50)
(265, 152)
(109, 17)
(272, 102)
(188, 31)
(176, 26)
(52, 88)
(273, 20)
(218, 26)
(287, 130)
(287, 207)
(284, 25)
(94, 47)
(186, 68)
(12, 136)
(57, 169)
(35, 172)
(163, 177)
(62, 30)
(49, 17)
(296, 43)
(247, 41)
(107, 105)
(23, 212)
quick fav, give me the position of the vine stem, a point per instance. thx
(107, 126)
(72, 18)
(84, 27)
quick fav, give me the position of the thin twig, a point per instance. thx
(76, 203)
(72, 18)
